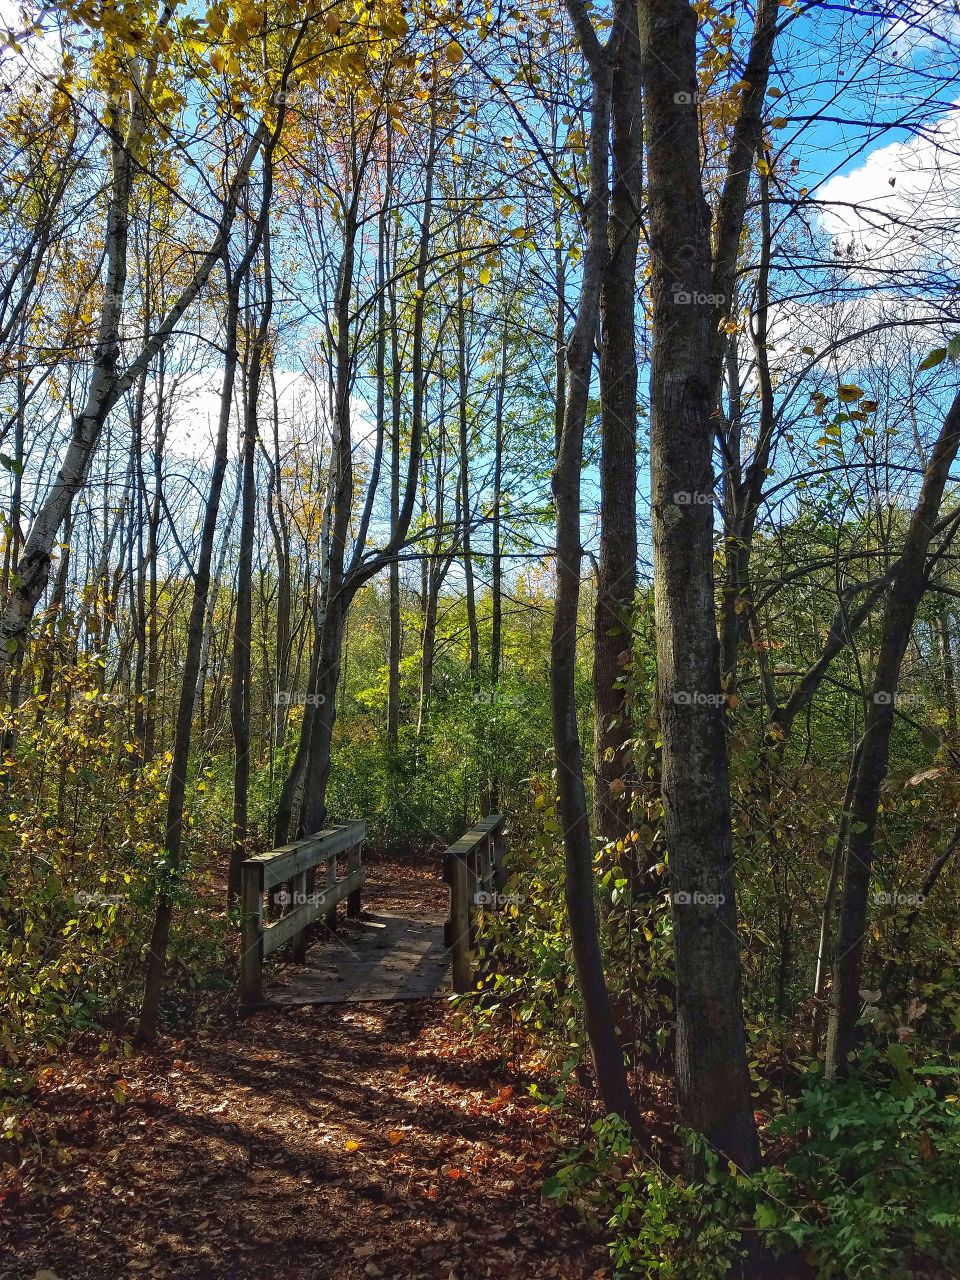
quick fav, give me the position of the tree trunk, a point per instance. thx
(605, 1046)
(243, 624)
(176, 795)
(617, 574)
(713, 1082)
(496, 565)
(463, 381)
(107, 384)
(903, 599)
(949, 670)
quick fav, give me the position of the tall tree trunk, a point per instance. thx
(153, 547)
(341, 585)
(463, 382)
(496, 565)
(396, 405)
(34, 566)
(617, 574)
(605, 1046)
(335, 598)
(243, 625)
(107, 383)
(903, 599)
(176, 795)
(713, 1081)
(213, 592)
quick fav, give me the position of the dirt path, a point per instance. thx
(325, 1141)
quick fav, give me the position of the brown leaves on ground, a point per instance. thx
(347, 1141)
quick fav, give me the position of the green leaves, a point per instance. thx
(936, 357)
(849, 393)
(933, 359)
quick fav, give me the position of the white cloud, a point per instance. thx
(901, 207)
(195, 413)
(931, 25)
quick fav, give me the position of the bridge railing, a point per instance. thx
(473, 868)
(304, 896)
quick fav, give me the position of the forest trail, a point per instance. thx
(339, 1141)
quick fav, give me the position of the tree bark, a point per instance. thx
(903, 599)
(243, 622)
(176, 795)
(107, 384)
(608, 1058)
(713, 1082)
(617, 573)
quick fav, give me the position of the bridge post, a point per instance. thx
(499, 854)
(460, 891)
(354, 862)
(330, 919)
(299, 887)
(251, 954)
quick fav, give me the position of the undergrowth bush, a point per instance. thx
(865, 1186)
(81, 838)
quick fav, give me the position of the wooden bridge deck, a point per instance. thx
(398, 951)
(380, 956)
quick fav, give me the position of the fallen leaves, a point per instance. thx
(272, 1114)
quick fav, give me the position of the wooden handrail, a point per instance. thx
(472, 865)
(291, 866)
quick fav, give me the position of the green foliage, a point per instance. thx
(81, 840)
(866, 1186)
(661, 1226)
(873, 1189)
(532, 981)
(477, 749)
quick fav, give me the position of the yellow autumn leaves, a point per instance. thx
(393, 1136)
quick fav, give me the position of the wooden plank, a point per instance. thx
(330, 919)
(381, 957)
(276, 935)
(251, 951)
(284, 863)
(468, 869)
(499, 868)
(468, 842)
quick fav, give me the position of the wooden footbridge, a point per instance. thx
(290, 900)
